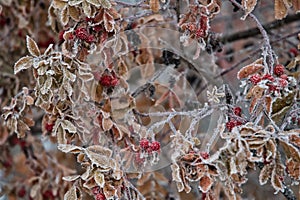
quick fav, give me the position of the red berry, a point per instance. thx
(22, 192)
(230, 125)
(109, 81)
(144, 144)
(200, 33)
(48, 194)
(269, 77)
(100, 196)
(283, 83)
(155, 146)
(284, 76)
(90, 39)
(97, 28)
(237, 111)
(138, 159)
(204, 155)
(49, 127)
(273, 88)
(279, 69)
(96, 190)
(61, 35)
(294, 51)
(81, 33)
(255, 79)
(233, 123)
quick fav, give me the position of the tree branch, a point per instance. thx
(255, 31)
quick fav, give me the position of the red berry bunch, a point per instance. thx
(279, 69)
(232, 123)
(149, 147)
(109, 80)
(81, 33)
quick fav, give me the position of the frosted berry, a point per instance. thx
(204, 155)
(255, 79)
(100, 196)
(283, 83)
(90, 39)
(82, 33)
(268, 77)
(294, 51)
(232, 123)
(237, 111)
(61, 35)
(109, 81)
(155, 146)
(279, 70)
(49, 127)
(144, 144)
(22, 192)
(284, 76)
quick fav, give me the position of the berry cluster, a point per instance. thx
(149, 147)
(274, 83)
(83, 34)
(234, 122)
(107, 80)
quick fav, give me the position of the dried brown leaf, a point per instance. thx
(154, 5)
(23, 63)
(99, 179)
(248, 6)
(64, 16)
(265, 174)
(205, 183)
(280, 9)
(248, 70)
(71, 194)
(32, 47)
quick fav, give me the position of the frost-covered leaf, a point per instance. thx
(68, 148)
(71, 194)
(248, 6)
(47, 85)
(23, 63)
(100, 150)
(74, 2)
(98, 159)
(99, 179)
(69, 75)
(105, 4)
(71, 178)
(154, 5)
(205, 183)
(64, 16)
(74, 13)
(280, 9)
(32, 47)
(69, 126)
(87, 9)
(276, 181)
(94, 2)
(250, 69)
(265, 174)
(293, 169)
